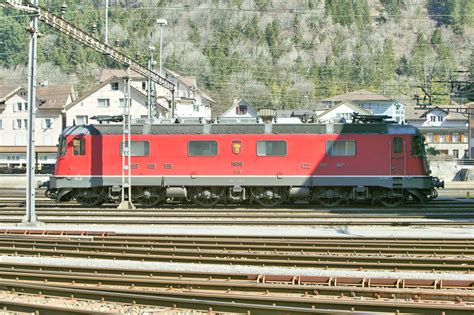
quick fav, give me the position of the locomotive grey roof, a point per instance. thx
(309, 128)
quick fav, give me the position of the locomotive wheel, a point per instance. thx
(391, 202)
(206, 198)
(265, 197)
(329, 202)
(147, 197)
(90, 197)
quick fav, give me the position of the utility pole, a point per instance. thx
(30, 218)
(106, 39)
(126, 203)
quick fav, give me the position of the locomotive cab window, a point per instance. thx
(397, 145)
(79, 146)
(62, 146)
(341, 148)
(202, 148)
(417, 146)
(271, 148)
(138, 148)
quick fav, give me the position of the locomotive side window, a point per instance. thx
(417, 146)
(78, 146)
(341, 148)
(138, 148)
(397, 145)
(62, 147)
(202, 148)
(271, 148)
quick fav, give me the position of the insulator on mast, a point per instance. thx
(63, 9)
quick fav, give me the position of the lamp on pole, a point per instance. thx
(149, 83)
(106, 39)
(161, 23)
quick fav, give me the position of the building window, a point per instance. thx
(442, 138)
(397, 145)
(455, 137)
(82, 120)
(78, 146)
(196, 108)
(456, 154)
(47, 123)
(121, 102)
(433, 118)
(429, 137)
(440, 118)
(341, 148)
(25, 106)
(202, 148)
(138, 148)
(103, 102)
(143, 85)
(271, 148)
(1, 124)
(241, 109)
(114, 86)
(17, 107)
(17, 123)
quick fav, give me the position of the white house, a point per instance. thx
(444, 129)
(240, 111)
(342, 112)
(190, 101)
(107, 98)
(50, 101)
(375, 103)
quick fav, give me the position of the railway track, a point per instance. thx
(333, 253)
(440, 213)
(240, 292)
(257, 294)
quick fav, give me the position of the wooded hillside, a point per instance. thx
(279, 53)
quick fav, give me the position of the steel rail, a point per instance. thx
(419, 290)
(360, 262)
(19, 308)
(243, 302)
(325, 281)
(283, 245)
(288, 241)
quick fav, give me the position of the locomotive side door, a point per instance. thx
(397, 153)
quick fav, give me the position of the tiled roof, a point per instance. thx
(106, 74)
(55, 96)
(7, 90)
(51, 97)
(416, 113)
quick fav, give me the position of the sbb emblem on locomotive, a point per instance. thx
(236, 146)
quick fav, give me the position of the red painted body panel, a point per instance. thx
(306, 155)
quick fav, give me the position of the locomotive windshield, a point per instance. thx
(62, 148)
(418, 146)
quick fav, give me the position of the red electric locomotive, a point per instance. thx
(267, 164)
